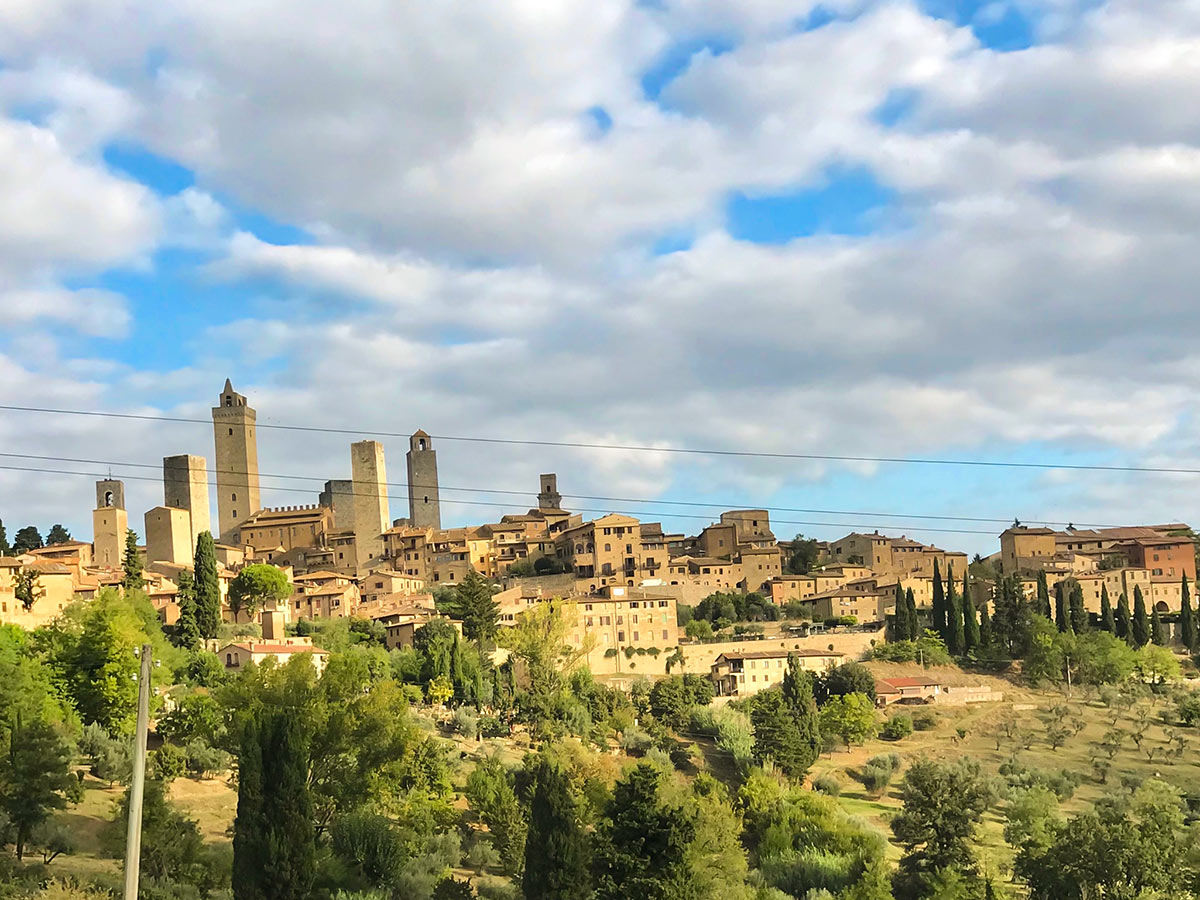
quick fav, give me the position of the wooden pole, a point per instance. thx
(137, 786)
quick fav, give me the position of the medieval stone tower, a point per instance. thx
(185, 486)
(109, 524)
(549, 497)
(371, 517)
(424, 509)
(237, 461)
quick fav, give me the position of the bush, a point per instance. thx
(889, 761)
(492, 727)
(466, 722)
(896, 728)
(925, 720)
(827, 784)
(1187, 709)
(168, 762)
(874, 779)
(203, 760)
(635, 740)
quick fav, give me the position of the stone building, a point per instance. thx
(185, 486)
(169, 536)
(234, 432)
(424, 507)
(371, 517)
(110, 522)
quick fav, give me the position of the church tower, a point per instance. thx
(109, 524)
(237, 462)
(549, 497)
(371, 518)
(424, 508)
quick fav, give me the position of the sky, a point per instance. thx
(926, 229)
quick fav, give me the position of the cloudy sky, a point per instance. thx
(933, 228)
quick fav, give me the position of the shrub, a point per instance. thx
(896, 728)
(492, 727)
(466, 722)
(203, 760)
(635, 740)
(925, 720)
(890, 761)
(874, 779)
(827, 784)
(168, 762)
(1187, 709)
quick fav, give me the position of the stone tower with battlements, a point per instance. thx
(234, 431)
(371, 517)
(185, 486)
(109, 524)
(424, 509)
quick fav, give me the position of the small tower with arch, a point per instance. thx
(424, 508)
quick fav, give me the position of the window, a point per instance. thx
(235, 513)
(664, 634)
(635, 635)
(608, 548)
(620, 637)
(229, 659)
(231, 432)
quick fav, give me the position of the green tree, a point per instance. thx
(1011, 623)
(473, 604)
(255, 587)
(786, 723)
(955, 628)
(1158, 634)
(1187, 625)
(28, 538)
(848, 678)
(985, 628)
(207, 587)
(1079, 615)
(1140, 628)
(172, 846)
(35, 777)
(1062, 611)
(943, 805)
(914, 623)
(556, 861)
(970, 620)
(27, 588)
(1043, 595)
(1108, 622)
(283, 851)
(57, 535)
(900, 617)
(642, 843)
(187, 628)
(5, 547)
(939, 603)
(804, 555)
(490, 792)
(850, 716)
(1124, 621)
(132, 563)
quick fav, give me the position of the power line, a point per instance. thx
(497, 505)
(525, 493)
(701, 451)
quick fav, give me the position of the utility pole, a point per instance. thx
(133, 837)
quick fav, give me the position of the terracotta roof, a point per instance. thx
(49, 567)
(313, 576)
(908, 682)
(9, 562)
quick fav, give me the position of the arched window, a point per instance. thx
(228, 400)
(421, 444)
(233, 497)
(229, 659)
(108, 498)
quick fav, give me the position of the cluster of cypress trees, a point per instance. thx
(199, 598)
(954, 617)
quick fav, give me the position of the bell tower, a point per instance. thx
(234, 432)
(424, 508)
(109, 524)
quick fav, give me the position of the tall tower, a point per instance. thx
(338, 496)
(549, 498)
(237, 461)
(371, 517)
(423, 506)
(109, 524)
(185, 486)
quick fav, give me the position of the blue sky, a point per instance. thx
(841, 228)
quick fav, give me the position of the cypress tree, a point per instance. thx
(954, 617)
(985, 628)
(1187, 625)
(914, 623)
(290, 864)
(1141, 622)
(970, 623)
(207, 587)
(1158, 634)
(1107, 621)
(1043, 595)
(187, 631)
(249, 832)
(939, 603)
(1124, 621)
(1062, 616)
(900, 617)
(1079, 615)
(132, 563)
(556, 866)
(797, 690)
